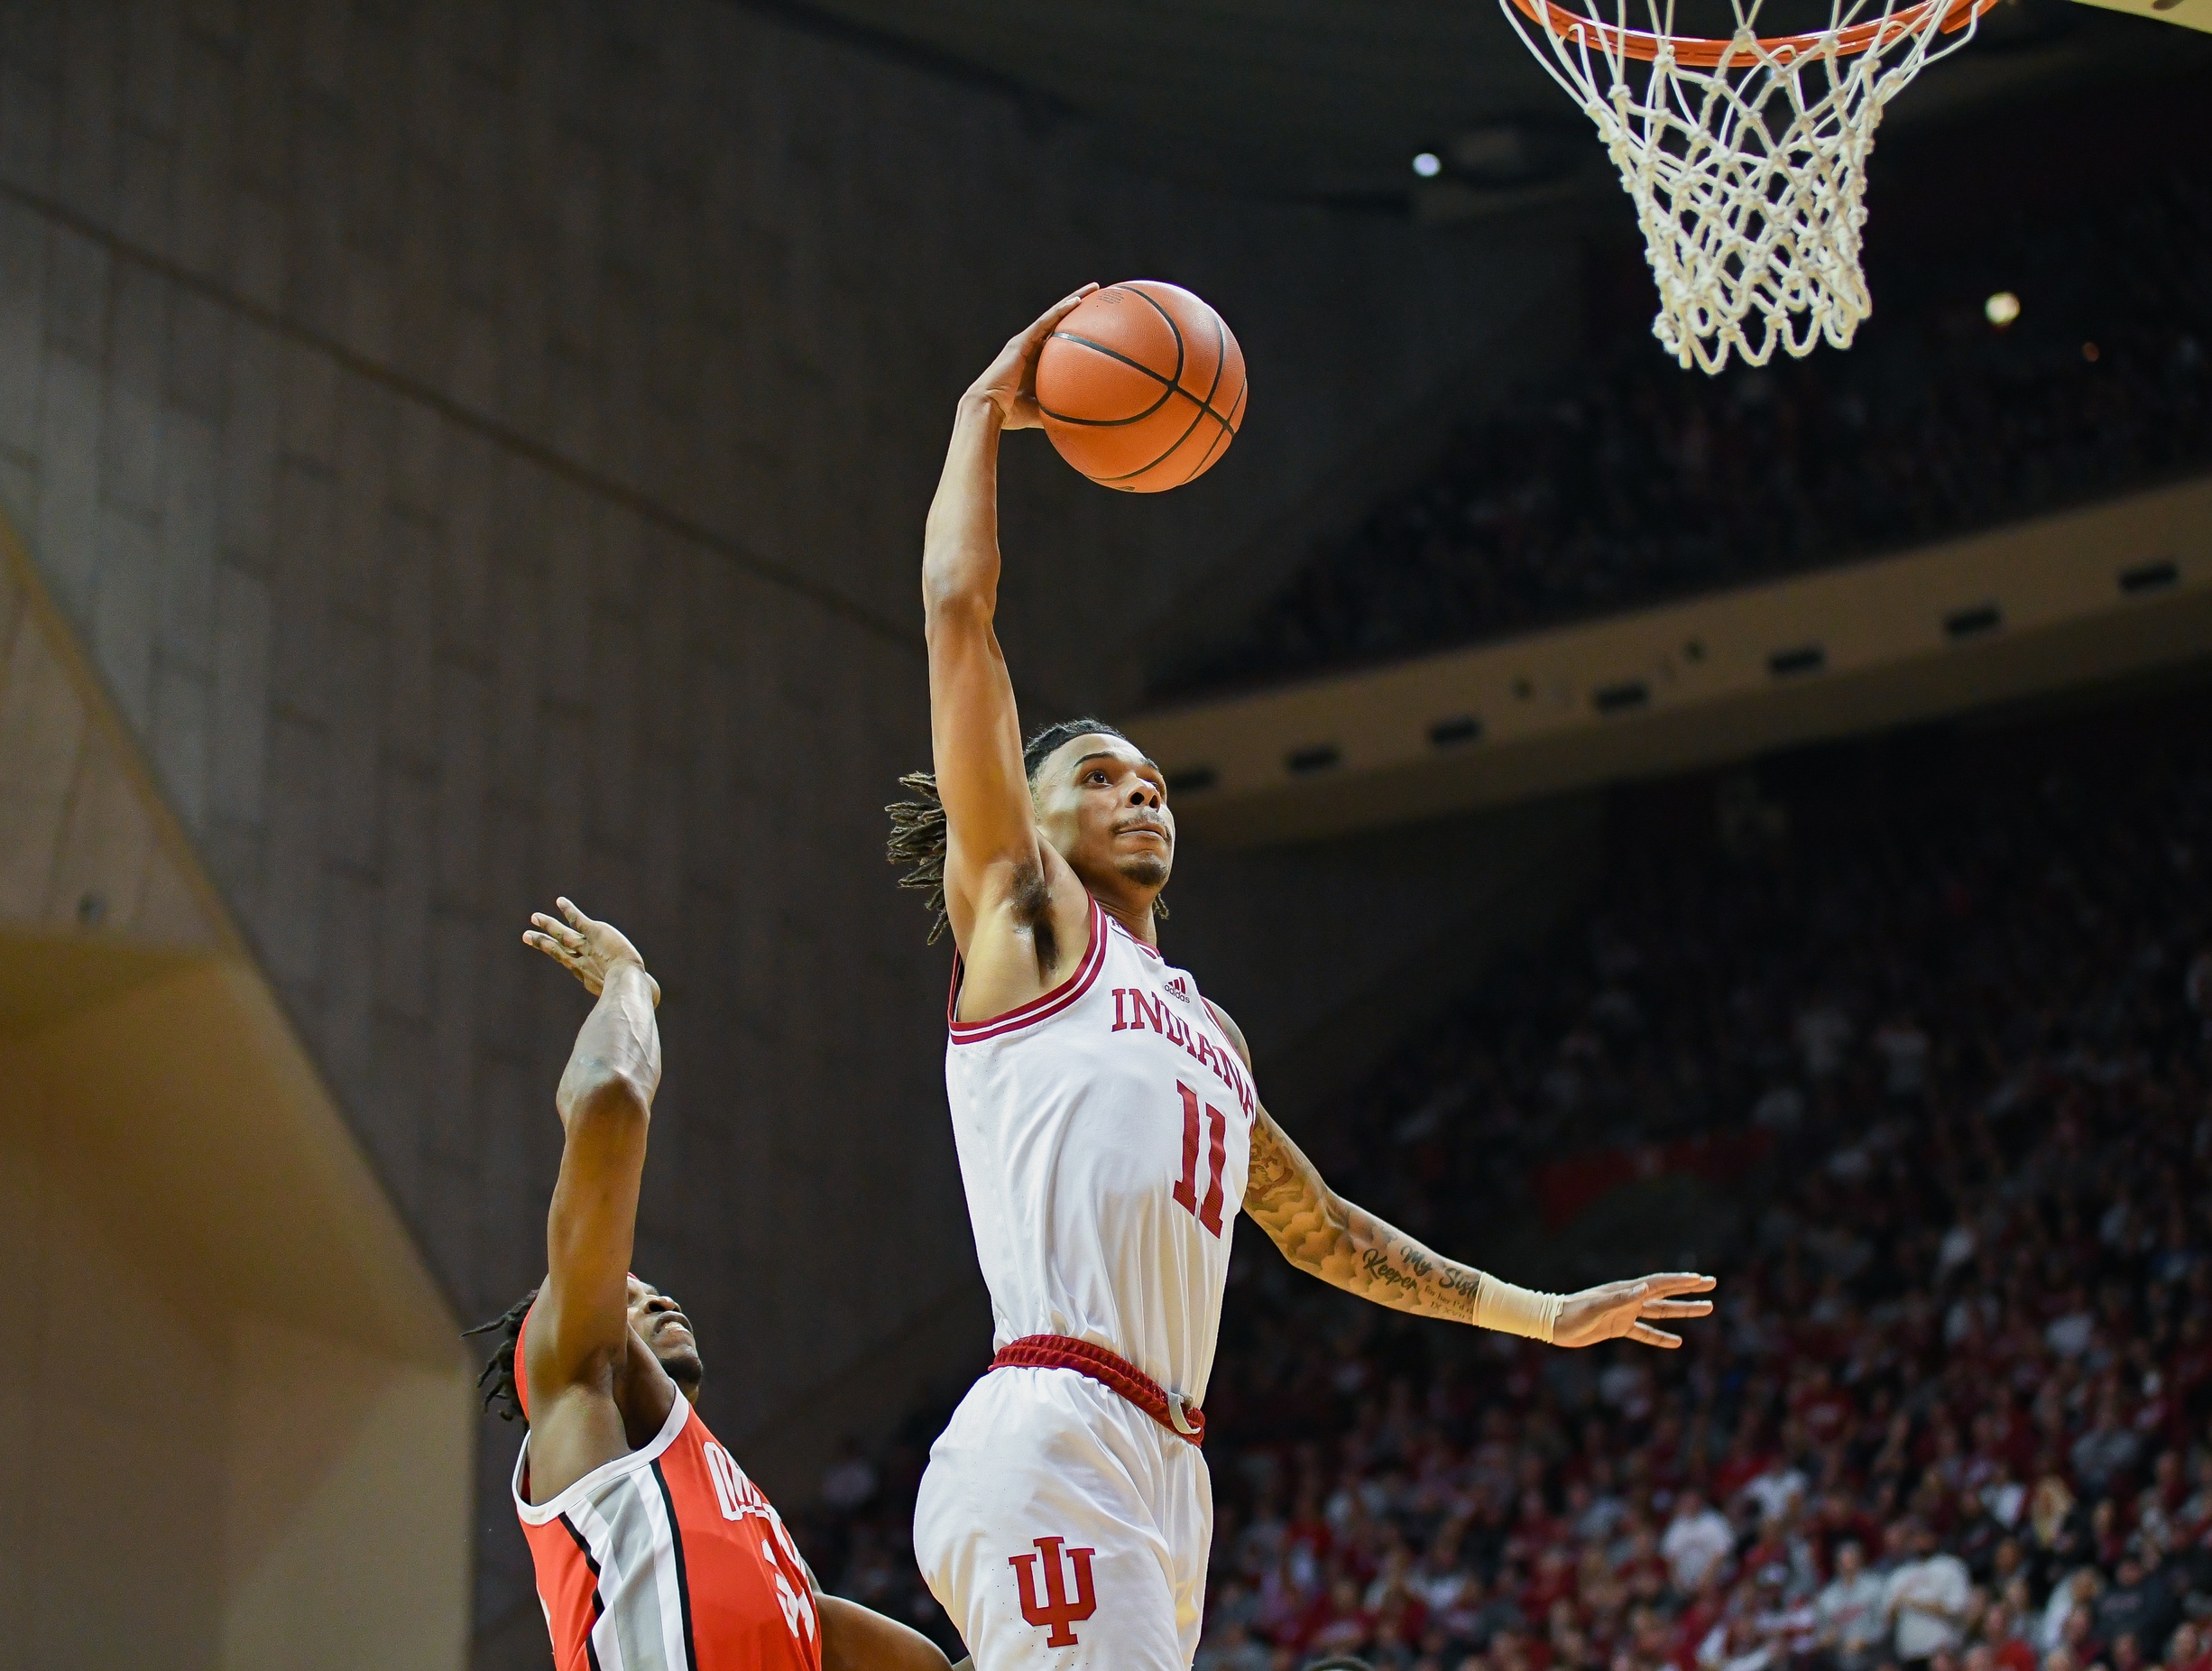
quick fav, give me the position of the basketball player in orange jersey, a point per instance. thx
(1107, 1128)
(654, 1551)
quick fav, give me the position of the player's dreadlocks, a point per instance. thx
(917, 827)
(498, 1378)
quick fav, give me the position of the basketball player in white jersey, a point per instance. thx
(1108, 1129)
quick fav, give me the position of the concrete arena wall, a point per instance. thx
(483, 449)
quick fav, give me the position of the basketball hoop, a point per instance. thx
(1746, 158)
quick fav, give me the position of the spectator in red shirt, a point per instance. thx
(2001, 1633)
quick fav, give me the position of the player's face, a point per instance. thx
(660, 1322)
(1104, 807)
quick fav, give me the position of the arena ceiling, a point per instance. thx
(1330, 99)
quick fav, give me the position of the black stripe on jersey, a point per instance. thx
(683, 1581)
(599, 1606)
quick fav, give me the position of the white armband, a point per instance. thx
(1516, 1311)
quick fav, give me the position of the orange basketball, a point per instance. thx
(1141, 387)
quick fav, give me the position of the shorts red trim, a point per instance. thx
(1110, 1370)
(1036, 1009)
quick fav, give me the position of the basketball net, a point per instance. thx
(1746, 158)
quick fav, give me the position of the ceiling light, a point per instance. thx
(2002, 309)
(1428, 165)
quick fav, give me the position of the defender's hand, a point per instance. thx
(1620, 1310)
(1011, 384)
(588, 949)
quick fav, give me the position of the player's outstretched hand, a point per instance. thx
(1010, 383)
(588, 949)
(1625, 1310)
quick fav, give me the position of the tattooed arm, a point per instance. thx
(1349, 1248)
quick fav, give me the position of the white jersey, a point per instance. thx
(1104, 1131)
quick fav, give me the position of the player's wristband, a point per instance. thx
(1516, 1311)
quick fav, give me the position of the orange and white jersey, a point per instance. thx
(668, 1559)
(1104, 1130)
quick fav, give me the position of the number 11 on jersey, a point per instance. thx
(1216, 1126)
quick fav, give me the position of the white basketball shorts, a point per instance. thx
(1062, 1526)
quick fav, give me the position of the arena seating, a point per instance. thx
(1637, 481)
(1925, 1029)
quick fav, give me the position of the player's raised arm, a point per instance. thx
(1348, 1247)
(993, 855)
(580, 1329)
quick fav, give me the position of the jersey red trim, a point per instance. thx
(1037, 1009)
(1153, 951)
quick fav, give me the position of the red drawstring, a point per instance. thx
(1060, 1352)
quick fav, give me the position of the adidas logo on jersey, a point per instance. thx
(1178, 989)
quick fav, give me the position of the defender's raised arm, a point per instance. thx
(625, 1498)
(580, 1331)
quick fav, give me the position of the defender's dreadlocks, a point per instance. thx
(498, 1379)
(917, 827)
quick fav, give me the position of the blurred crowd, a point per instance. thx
(1647, 481)
(1956, 1410)
(1949, 1010)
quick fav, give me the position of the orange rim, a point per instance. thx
(1706, 54)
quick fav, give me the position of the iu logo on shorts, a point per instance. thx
(1060, 1610)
